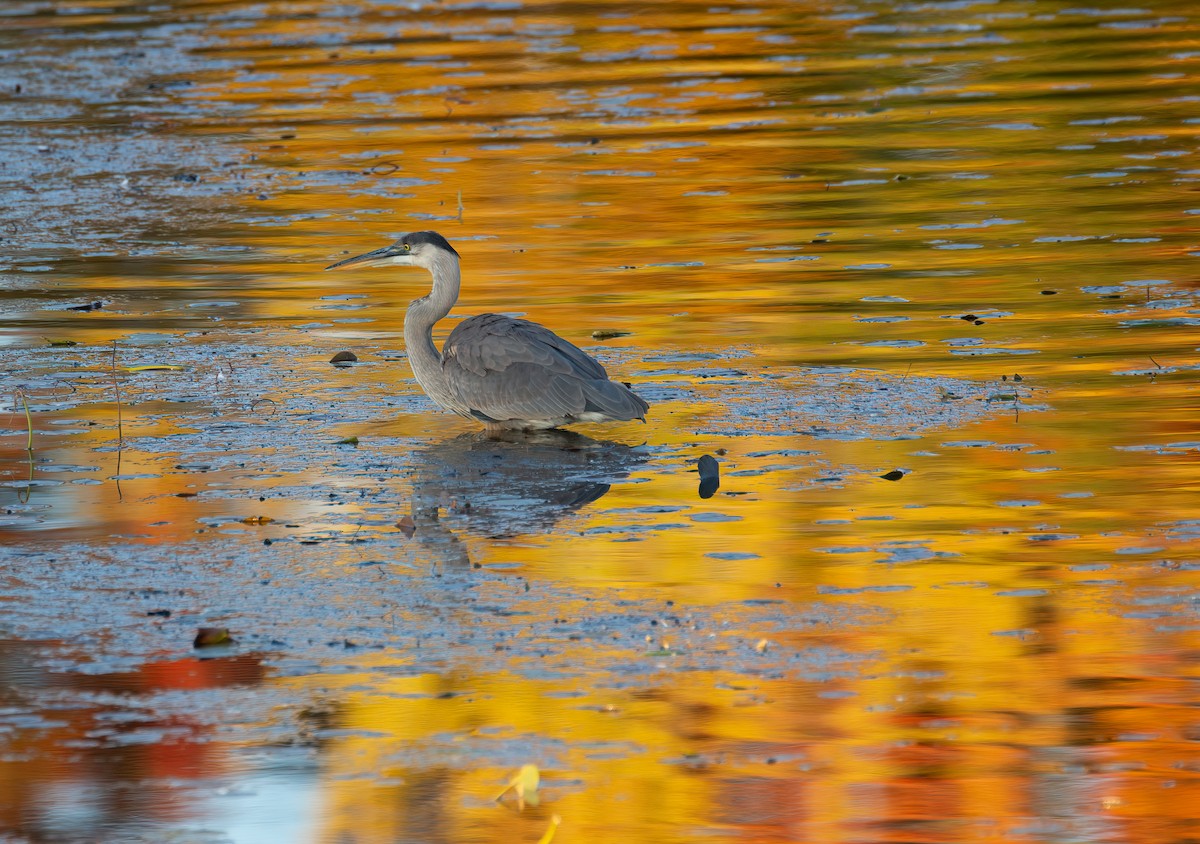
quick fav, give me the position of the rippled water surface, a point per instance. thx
(920, 277)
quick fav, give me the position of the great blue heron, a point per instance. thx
(509, 374)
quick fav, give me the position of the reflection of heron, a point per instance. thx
(514, 484)
(509, 374)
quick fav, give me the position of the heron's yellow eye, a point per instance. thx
(407, 248)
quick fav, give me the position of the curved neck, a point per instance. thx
(419, 320)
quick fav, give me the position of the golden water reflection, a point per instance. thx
(805, 215)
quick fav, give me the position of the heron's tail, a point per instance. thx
(614, 400)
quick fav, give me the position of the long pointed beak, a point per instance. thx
(379, 256)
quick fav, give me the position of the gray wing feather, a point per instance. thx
(492, 343)
(509, 368)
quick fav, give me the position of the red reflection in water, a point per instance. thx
(95, 750)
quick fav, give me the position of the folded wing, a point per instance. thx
(503, 369)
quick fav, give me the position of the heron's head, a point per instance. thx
(417, 249)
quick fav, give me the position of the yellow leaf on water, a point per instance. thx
(60, 342)
(524, 785)
(151, 367)
(549, 836)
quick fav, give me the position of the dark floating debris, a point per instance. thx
(602, 334)
(969, 317)
(348, 441)
(343, 358)
(1049, 292)
(893, 475)
(206, 637)
(90, 306)
(60, 342)
(407, 527)
(710, 475)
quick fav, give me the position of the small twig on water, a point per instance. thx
(1153, 361)
(117, 391)
(20, 393)
(274, 405)
(24, 493)
(120, 421)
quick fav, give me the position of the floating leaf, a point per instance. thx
(209, 636)
(761, 647)
(348, 441)
(893, 475)
(604, 334)
(407, 527)
(60, 342)
(555, 820)
(153, 367)
(257, 520)
(524, 785)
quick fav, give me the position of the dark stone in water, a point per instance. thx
(710, 475)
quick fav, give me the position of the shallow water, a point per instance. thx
(921, 277)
